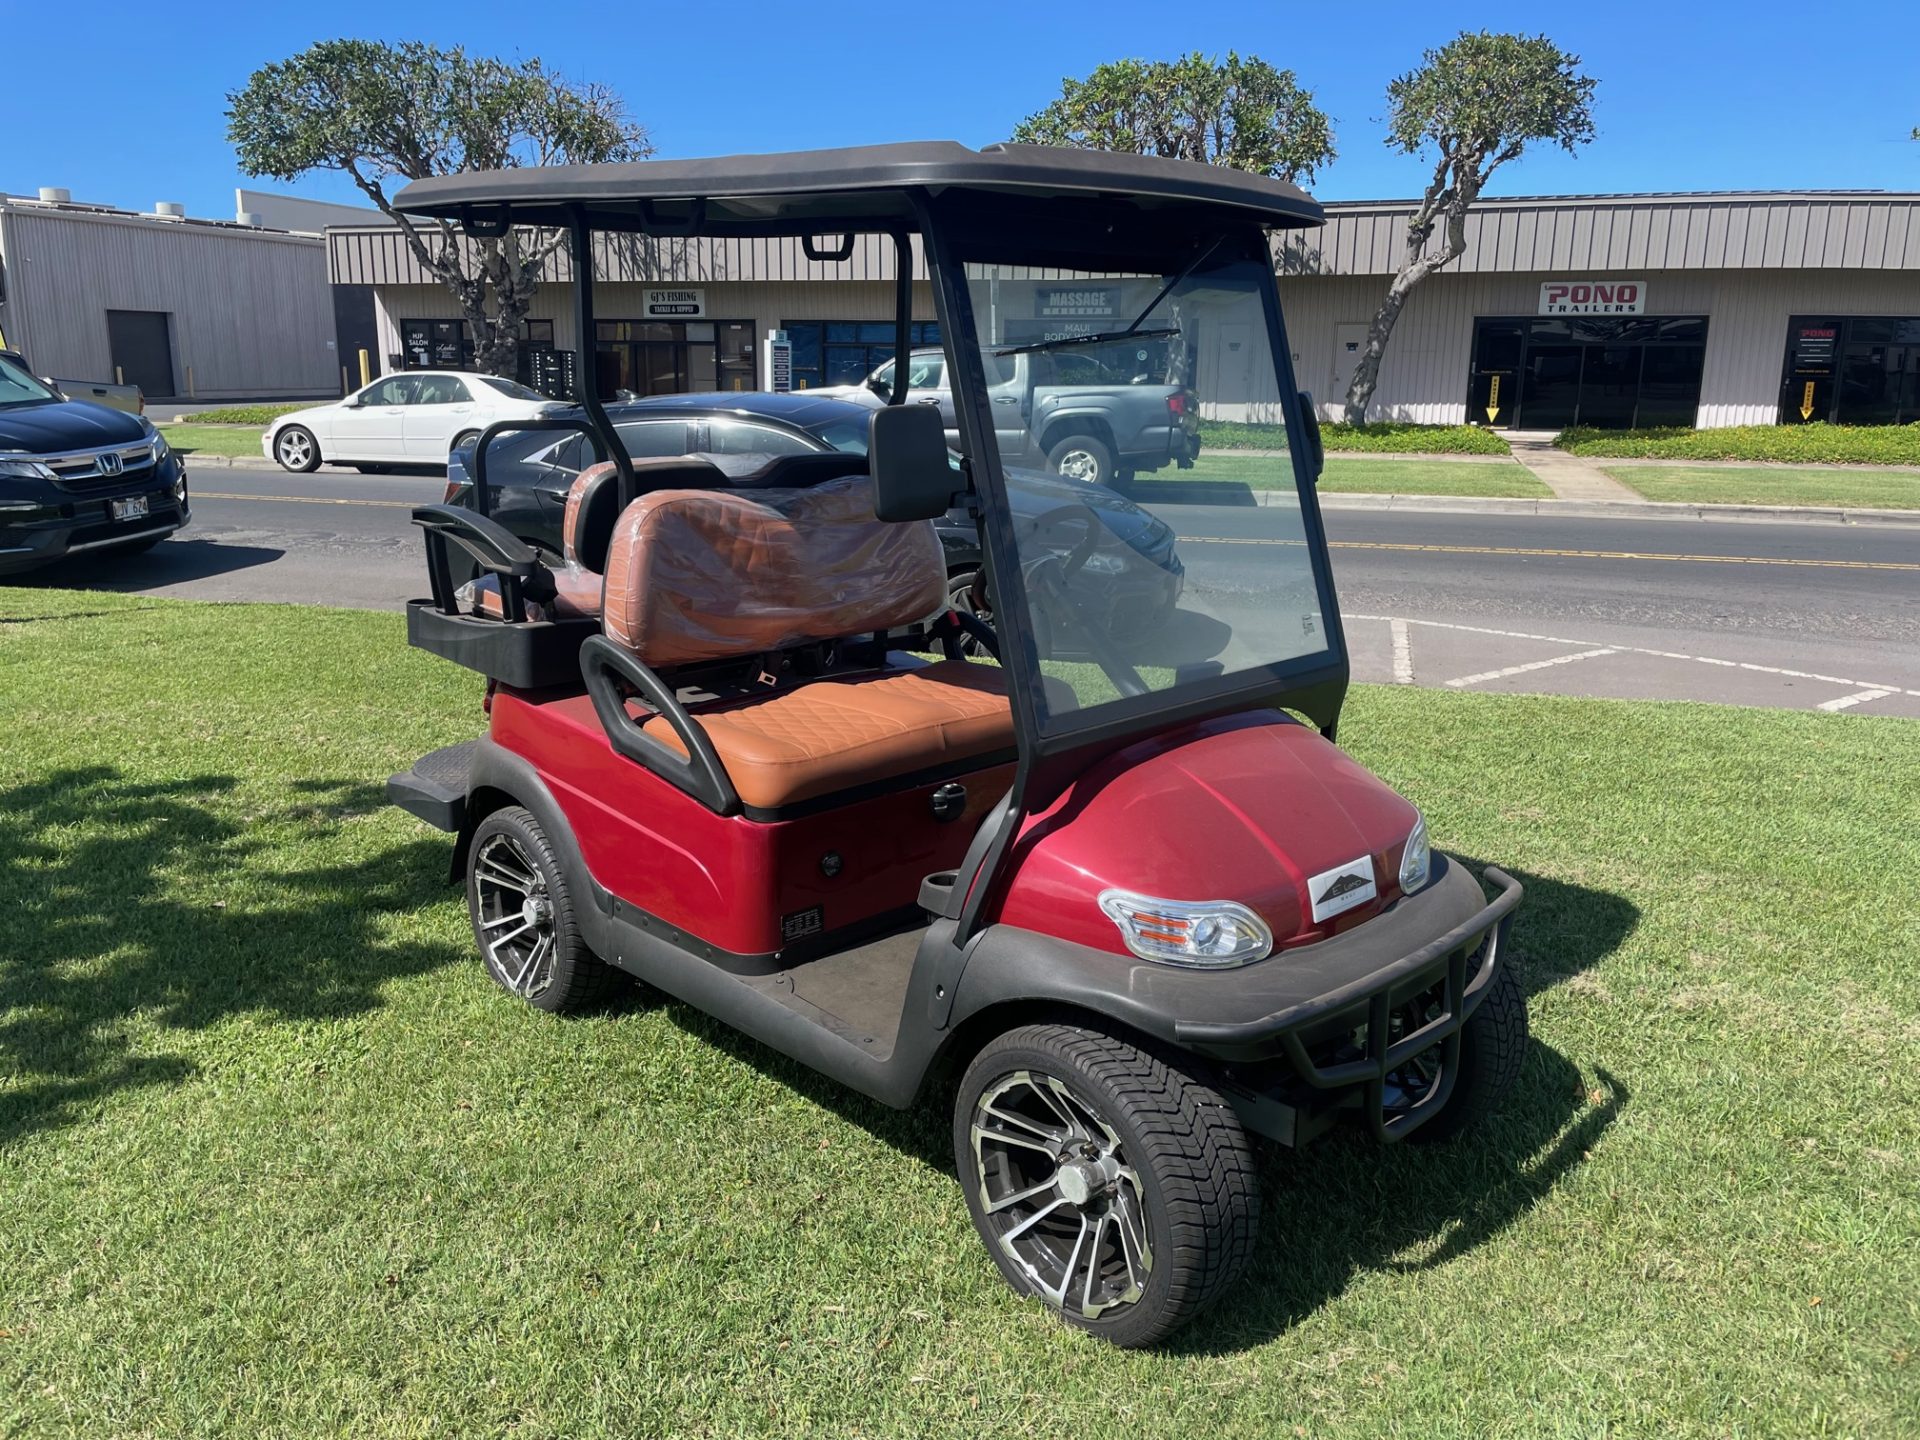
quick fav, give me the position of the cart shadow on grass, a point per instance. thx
(1345, 1205)
(117, 891)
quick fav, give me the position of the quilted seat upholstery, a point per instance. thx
(795, 745)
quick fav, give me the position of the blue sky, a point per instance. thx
(1702, 95)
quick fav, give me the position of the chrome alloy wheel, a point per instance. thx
(295, 448)
(1079, 464)
(1061, 1200)
(515, 917)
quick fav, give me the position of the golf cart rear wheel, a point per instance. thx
(523, 917)
(1105, 1183)
(1493, 1046)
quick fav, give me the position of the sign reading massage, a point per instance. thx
(1593, 297)
(676, 304)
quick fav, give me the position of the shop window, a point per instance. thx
(1612, 372)
(846, 352)
(1851, 370)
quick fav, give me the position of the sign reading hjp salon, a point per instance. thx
(1593, 297)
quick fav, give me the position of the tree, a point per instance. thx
(1476, 103)
(379, 112)
(1243, 113)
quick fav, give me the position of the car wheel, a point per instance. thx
(1105, 1182)
(1081, 457)
(1493, 1047)
(296, 449)
(524, 921)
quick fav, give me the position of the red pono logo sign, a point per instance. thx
(1593, 297)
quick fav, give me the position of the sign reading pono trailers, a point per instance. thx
(1593, 297)
(676, 304)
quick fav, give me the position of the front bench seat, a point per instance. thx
(701, 576)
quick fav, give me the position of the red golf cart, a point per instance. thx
(1104, 876)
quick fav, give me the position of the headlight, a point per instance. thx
(1210, 933)
(19, 467)
(1417, 859)
(160, 447)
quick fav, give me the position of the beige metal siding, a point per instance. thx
(1655, 232)
(250, 312)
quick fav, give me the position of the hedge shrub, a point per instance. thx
(247, 414)
(1791, 444)
(1387, 437)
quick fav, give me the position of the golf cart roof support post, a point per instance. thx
(953, 304)
(585, 344)
(902, 314)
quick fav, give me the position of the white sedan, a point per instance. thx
(413, 418)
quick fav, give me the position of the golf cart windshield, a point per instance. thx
(1103, 374)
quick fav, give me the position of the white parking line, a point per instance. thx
(1523, 669)
(1847, 702)
(1658, 655)
(1402, 652)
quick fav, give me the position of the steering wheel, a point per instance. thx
(1049, 579)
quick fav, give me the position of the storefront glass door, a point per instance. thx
(1610, 372)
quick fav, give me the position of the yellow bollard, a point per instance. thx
(365, 376)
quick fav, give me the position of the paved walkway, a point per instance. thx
(1568, 476)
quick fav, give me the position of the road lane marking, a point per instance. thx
(1530, 665)
(1555, 554)
(309, 499)
(1656, 654)
(1847, 702)
(1402, 652)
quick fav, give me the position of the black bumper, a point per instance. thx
(64, 522)
(1308, 1031)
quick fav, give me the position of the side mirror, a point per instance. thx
(907, 456)
(1316, 450)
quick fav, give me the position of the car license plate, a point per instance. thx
(134, 507)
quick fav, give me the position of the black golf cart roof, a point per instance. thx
(769, 194)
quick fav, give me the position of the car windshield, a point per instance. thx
(1227, 583)
(17, 387)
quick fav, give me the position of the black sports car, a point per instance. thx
(1132, 574)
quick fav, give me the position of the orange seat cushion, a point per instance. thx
(794, 745)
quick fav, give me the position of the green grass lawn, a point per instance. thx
(1349, 476)
(277, 1160)
(1785, 444)
(1744, 485)
(214, 439)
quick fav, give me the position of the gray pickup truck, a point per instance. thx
(1072, 409)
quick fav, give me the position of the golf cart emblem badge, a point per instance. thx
(1340, 889)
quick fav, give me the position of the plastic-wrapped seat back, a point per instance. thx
(697, 575)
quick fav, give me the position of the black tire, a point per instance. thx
(1081, 457)
(296, 449)
(1184, 1171)
(509, 848)
(1493, 1047)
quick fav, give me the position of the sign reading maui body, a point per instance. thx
(1593, 297)
(676, 304)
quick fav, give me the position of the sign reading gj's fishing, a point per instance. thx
(676, 304)
(1593, 297)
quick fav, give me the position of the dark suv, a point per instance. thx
(78, 477)
(745, 434)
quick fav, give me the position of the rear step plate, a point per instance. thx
(435, 789)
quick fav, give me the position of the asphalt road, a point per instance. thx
(1799, 615)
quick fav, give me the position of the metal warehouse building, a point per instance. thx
(185, 309)
(1608, 310)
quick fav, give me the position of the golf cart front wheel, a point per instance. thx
(1105, 1183)
(523, 917)
(1493, 1047)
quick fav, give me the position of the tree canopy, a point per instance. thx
(1473, 105)
(380, 113)
(1242, 113)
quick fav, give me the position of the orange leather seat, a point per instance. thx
(695, 576)
(828, 735)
